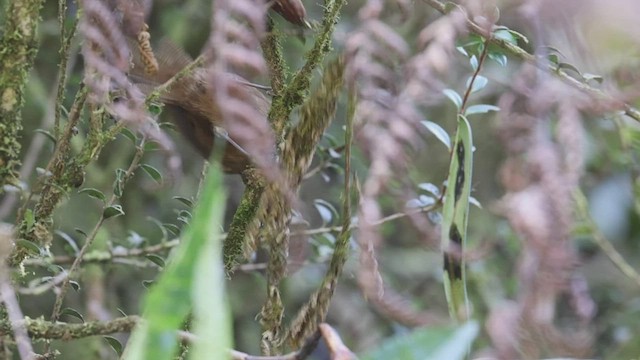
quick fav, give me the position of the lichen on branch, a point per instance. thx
(19, 48)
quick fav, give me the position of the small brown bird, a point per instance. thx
(190, 102)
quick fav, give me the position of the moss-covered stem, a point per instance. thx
(276, 201)
(65, 172)
(18, 49)
(235, 243)
(296, 91)
(108, 257)
(42, 329)
(315, 310)
(66, 36)
(278, 71)
(64, 287)
(51, 187)
(272, 50)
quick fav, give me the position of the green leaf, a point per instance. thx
(94, 193)
(184, 200)
(192, 282)
(480, 109)
(454, 97)
(473, 201)
(118, 184)
(462, 51)
(75, 285)
(165, 125)
(47, 134)
(69, 240)
(479, 83)
(113, 210)
(151, 146)
(498, 57)
(80, 231)
(455, 213)
(438, 132)
(153, 172)
(129, 135)
(161, 226)
(552, 50)
(566, 66)
(432, 343)
(174, 229)
(518, 35)
(114, 343)
(29, 219)
(473, 40)
(29, 246)
(505, 35)
(553, 55)
(592, 77)
(474, 62)
(184, 216)
(326, 210)
(430, 188)
(73, 313)
(421, 201)
(155, 109)
(156, 259)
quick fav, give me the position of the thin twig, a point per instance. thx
(604, 244)
(92, 235)
(522, 54)
(42, 288)
(467, 93)
(43, 329)
(163, 88)
(14, 314)
(107, 257)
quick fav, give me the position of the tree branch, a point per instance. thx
(108, 257)
(43, 329)
(19, 48)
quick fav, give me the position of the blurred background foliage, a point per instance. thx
(592, 42)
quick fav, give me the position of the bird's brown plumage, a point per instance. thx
(191, 104)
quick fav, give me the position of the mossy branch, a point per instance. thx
(296, 91)
(109, 257)
(42, 329)
(283, 103)
(272, 50)
(239, 237)
(245, 214)
(128, 174)
(315, 310)
(66, 36)
(296, 155)
(51, 191)
(18, 49)
(64, 172)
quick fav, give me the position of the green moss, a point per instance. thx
(19, 48)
